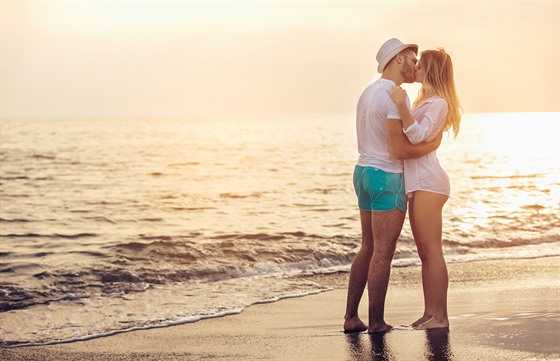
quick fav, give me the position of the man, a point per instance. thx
(379, 183)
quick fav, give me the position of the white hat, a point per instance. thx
(389, 49)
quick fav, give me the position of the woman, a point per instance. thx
(437, 108)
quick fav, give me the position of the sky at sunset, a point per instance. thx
(179, 59)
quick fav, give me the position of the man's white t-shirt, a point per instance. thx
(374, 108)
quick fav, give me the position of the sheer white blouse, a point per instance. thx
(425, 173)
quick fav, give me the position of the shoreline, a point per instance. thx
(498, 308)
(461, 273)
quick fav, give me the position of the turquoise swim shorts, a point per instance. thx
(378, 190)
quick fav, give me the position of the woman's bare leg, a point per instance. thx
(428, 224)
(426, 283)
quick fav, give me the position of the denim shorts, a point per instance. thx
(378, 190)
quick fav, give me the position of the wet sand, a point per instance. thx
(499, 310)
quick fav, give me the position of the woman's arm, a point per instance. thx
(432, 121)
(398, 95)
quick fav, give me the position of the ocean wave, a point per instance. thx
(249, 236)
(56, 235)
(18, 177)
(44, 156)
(241, 196)
(183, 164)
(136, 266)
(154, 219)
(151, 260)
(513, 176)
(15, 195)
(100, 219)
(497, 243)
(88, 253)
(14, 297)
(202, 208)
(16, 220)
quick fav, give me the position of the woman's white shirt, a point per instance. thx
(429, 118)
(425, 173)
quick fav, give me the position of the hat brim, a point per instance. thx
(383, 63)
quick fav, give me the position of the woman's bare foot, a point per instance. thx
(354, 325)
(421, 320)
(381, 327)
(433, 323)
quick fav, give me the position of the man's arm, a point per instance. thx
(401, 148)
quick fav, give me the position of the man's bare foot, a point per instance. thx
(354, 324)
(421, 320)
(433, 323)
(379, 327)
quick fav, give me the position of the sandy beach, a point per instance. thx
(499, 309)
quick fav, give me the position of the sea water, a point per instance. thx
(109, 225)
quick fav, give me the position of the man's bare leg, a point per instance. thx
(358, 276)
(386, 227)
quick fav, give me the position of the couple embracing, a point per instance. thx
(397, 163)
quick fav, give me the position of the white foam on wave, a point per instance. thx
(130, 329)
(163, 306)
(185, 320)
(405, 259)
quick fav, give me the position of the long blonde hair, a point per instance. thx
(438, 80)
